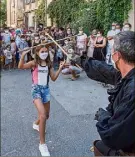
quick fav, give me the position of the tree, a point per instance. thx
(3, 13)
(41, 12)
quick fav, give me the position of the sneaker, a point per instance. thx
(44, 150)
(35, 126)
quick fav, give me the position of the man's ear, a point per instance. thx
(119, 55)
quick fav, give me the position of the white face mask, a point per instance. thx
(80, 32)
(43, 56)
(98, 35)
(117, 31)
(6, 31)
(68, 32)
(66, 42)
(126, 28)
(113, 27)
(115, 64)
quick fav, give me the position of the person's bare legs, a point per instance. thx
(47, 109)
(42, 117)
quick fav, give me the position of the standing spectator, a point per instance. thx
(100, 47)
(18, 38)
(91, 42)
(7, 37)
(8, 56)
(13, 50)
(52, 33)
(81, 42)
(23, 45)
(56, 33)
(28, 39)
(68, 32)
(61, 35)
(110, 36)
(118, 28)
(127, 27)
(35, 42)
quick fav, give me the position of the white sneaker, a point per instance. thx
(44, 150)
(35, 126)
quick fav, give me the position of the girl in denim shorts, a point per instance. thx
(41, 71)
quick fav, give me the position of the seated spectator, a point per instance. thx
(100, 47)
(115, 125)
(70, 66)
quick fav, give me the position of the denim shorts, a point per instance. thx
(41, 92)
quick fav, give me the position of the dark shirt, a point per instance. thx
(116, 124)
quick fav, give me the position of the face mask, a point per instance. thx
(98, 35)
(6, 31)
(117, 31)
(66, 42)
(80, 32)
(113, 27)
(68, 32)
(115, 64)
(23, 39)
(43, 56)
(126, 29)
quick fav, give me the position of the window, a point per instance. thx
(32, 1)
(27, 1)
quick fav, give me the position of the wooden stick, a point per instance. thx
(62, 49)
(45, 44)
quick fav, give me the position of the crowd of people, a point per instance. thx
(38, 52)
(77, 45)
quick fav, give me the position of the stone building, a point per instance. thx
(23, 12)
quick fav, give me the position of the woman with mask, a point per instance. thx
(91, 42)
(81, 42)
(127, 27)
(100, 47)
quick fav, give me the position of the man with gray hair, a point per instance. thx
(115, 125)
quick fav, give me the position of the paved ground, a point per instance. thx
(71, 128)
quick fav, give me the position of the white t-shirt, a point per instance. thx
(8, 54)
(81, 41)
(111, 33)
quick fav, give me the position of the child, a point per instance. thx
(8, 57)
(41, 70)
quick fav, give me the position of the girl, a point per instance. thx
(41, 70)
(8, 57)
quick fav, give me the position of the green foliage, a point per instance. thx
(3, 13)
(109, 11)
(90, 14)
(64, 12)
(41, 13)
